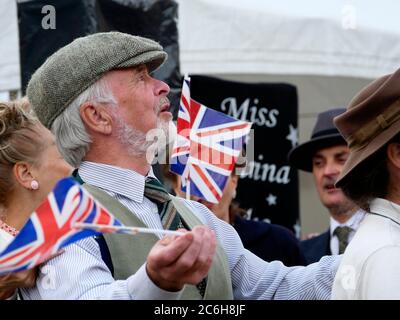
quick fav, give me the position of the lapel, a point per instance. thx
(314, 249)
(327, 235)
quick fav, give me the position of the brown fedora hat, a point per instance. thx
(370, 121)
(324, 135)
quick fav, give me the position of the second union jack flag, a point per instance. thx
(50, 226)
(207, 147)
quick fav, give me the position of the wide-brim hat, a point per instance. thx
(324, 135)
(73, 68)
(372, 119)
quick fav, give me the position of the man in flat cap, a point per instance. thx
(324, 156)
(98, 97)
(370, 268)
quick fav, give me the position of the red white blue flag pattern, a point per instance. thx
(51, 226)
(207, 146)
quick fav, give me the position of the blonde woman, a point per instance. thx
(30, 166)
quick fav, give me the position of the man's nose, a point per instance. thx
(161, 88)
(331, 169)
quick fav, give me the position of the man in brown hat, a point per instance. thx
(370, 268)
(99, 98)
(324, 155)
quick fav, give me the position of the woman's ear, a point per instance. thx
(393, 154)
(96, 118)
(235, 180)
(22, 172)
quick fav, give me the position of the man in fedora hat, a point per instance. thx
(370, 268)
(99, 98)
(324, 155)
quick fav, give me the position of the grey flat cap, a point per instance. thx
(73, 68)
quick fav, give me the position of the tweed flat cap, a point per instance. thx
(73, 68)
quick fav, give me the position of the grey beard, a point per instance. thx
(137, 143)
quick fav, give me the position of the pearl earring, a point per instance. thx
(34, 185)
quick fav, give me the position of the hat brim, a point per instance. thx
(357, 157)
(301, 156)
(152, 59)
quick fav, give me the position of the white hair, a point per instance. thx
(72, 138)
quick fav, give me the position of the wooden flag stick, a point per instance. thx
(187, 78)
(123, 229)
(187, 188)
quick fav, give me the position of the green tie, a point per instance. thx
(343, 235)
(155, 191)
(170, 218)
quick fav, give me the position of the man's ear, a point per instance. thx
(96, 117)
(22, 172)
(393, 154)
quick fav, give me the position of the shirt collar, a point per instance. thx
(125, 182)
(353, 222)
(386, 208)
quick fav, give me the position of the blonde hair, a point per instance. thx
(20, 140)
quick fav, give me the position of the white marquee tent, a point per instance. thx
(309, 37)
(10, 78)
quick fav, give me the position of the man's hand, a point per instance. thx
(179, 260)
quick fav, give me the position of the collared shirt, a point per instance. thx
(386, 208)
(5, 239)
(370, 266)
(353, 223)
(80, 273)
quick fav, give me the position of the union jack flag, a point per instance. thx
(51, 226)
(207, 146)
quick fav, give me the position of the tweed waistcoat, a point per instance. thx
(129, 253)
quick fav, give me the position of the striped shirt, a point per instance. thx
(80, 273)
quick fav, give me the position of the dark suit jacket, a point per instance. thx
(315, 248)
(270, 241)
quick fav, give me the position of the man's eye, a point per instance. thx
(317, 163)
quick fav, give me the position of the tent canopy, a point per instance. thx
(350, 38)
(335, 38)
(10, 78)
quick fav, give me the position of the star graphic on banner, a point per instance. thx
(271, 199)
(297, 229)
(292, 136)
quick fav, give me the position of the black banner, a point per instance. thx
(47, 25)
(268, 186)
